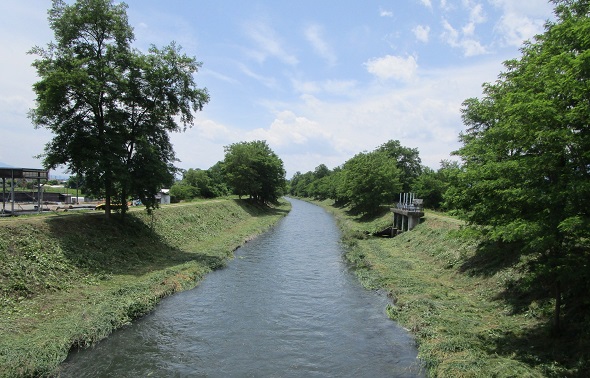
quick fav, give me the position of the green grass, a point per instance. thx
(69, 280)
(453, 297)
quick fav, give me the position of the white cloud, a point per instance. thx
(471, 47)
(340, 87)
(450, 35)
(202, 145)
(335, 87)
(469, 29)
(422, 33)
(266, 81)
(217, 75)
(22, 26)
(385, 13)
(213, 131)
(425, 115)
(465, 41)
(426, 3)
(521, 20)
(531, 8)
(287, 128)
(477, 15)
(318, 130)
(313, 34)
(393, 67)
(306, 86)
(268, 44)
(515, 28)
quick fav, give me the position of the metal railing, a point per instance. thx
(408, 202)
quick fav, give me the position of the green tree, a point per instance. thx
(109, 107)
(370, 180)
(218, 183)
(407, 160)
(182, 191)
(432, 186)
(429, 187)
(76, 182)
(201, 180)
(526, 154)
(321, 171)
(300, 184)
(253, 169)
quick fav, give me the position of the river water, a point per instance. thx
(286, 306)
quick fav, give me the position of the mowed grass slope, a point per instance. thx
(455, 298)
(71, 279)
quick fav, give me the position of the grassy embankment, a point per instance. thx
(453, 297)
(69, 280)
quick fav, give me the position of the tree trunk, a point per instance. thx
(107, 204)
(557, 311)
(123, 204)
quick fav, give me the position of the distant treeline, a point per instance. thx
(249, 168)
(372, 179)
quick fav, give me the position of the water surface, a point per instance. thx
(287, 306)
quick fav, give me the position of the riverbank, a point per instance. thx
(69, 280)
(454, 300)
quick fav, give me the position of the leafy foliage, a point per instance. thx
(407, 160)
(434, 186)
(526, 158)
(366, 181)
(370, 180)
(111, 107)
(200, 183)
(253, 169)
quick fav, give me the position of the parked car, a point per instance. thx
(114, 206)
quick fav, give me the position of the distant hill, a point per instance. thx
(4, 165)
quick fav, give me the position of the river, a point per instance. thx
(286, 306)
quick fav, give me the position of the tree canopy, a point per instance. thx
(366, 181)
(253, 169)
(200, 183)
(111, 107)
(407, 160)
(526, 154)
(370, 180)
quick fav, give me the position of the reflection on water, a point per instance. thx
(287, 306)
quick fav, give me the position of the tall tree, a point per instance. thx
(526, 156)
(110, 107)
(407, 160)
(253, 169)
(370, 180)
(432, 186)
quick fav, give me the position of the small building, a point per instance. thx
(77, 200)
(163, 197)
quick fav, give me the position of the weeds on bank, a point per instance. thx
(70, 281)
(453, 297)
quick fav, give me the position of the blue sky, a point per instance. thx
(319, 80)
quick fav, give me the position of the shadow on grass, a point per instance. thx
(100, 246)
(257, 209)
(520, 288)
(567, 355)
(564, 355)
(363, 217)
(490, 258)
